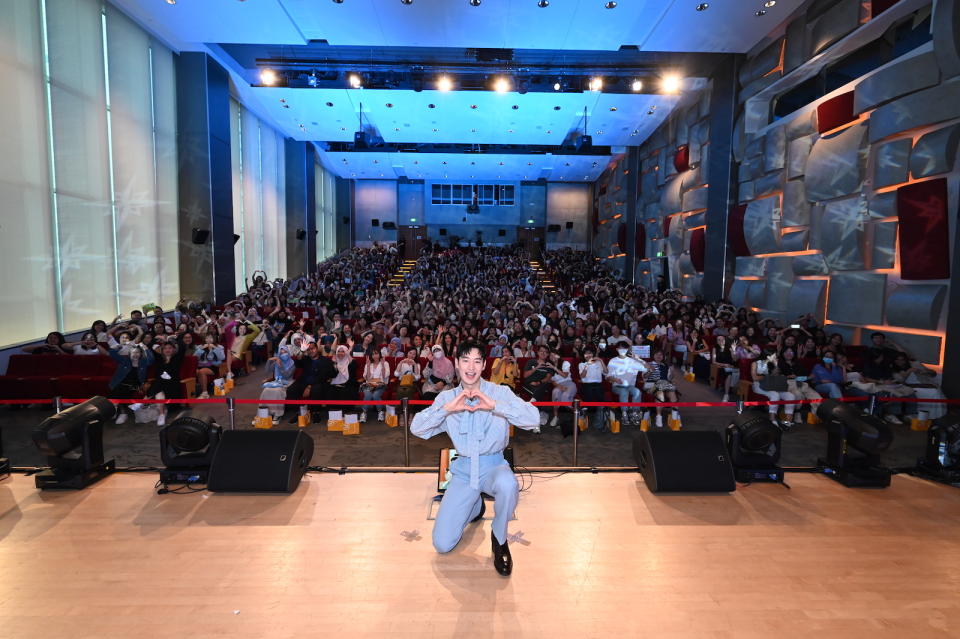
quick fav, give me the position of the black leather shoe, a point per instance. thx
(483, 509)
(502, 560)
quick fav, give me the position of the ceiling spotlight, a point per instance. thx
(703, 6)
(611, 5)
(670, 83)
(406, 1)
(501, 84)
(556, 86)
(268, 77)
(636, 86)
(760, 12)
(355, 81)
(171, 1)
(474, 3)
(543, 4)
(596, 84)
(444, 83)
(337, 1)
(769, 3)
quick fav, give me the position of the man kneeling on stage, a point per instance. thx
(477, 415)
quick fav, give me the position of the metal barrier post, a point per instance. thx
(405, 404)
(230, 412)
(740, 406)
(576, 429)
(58, 404)
(873, 405)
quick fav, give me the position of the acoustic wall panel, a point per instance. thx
(761, 226)
(935, 152)
(924, 230)
(891, 163)
(857, 298)
(884, 245)
(906, 76)
(936, 104)
(916, 306)
(807, 296)
(835, 165)
(840, 235)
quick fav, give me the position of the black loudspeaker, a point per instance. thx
(301, 234)
(569, 225)
(443, 231)
(684, 461)
(199, 236)
(502, 232)
(374, 222)
(389, 226)
(346, 219)
(260, 461)
(553, 228)
(236, 238)
(4, 462)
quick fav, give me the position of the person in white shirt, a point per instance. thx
(622, 372)
(592, 370)
(564, 389)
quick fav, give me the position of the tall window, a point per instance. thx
(485, 194)
(259, 197)
(88, 169)
(326, 210)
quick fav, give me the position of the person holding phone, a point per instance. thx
(477, 415)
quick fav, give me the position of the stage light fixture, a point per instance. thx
(556, 86)
(355, 81)
(268, 77)
(753, 442)
(444, 83)
(501, 84)
(637, 85)
(854, 442)
(670, 83)
(187, 446)
(596, 83)
(73, 443)
(941, 461)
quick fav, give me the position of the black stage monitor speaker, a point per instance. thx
(260, 461)
(684, 461)
(199, 236)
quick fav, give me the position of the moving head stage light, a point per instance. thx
(73, 443)
(942, 459)
(753, 442)
(854, 443)
(187, 446)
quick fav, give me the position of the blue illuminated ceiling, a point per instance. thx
(568, 40)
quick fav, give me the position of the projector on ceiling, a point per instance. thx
(582, 142)
(365, 140)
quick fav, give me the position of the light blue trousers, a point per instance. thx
(461, 503)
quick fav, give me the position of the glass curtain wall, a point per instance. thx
(88, 180)
(326, 211)
(259, 197)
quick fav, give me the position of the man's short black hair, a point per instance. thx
(464, 348)
(876, 333)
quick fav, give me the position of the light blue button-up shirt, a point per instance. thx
(481, 432)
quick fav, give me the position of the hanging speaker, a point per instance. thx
(301, 234)
(374, 222)
(236, 238)
(260, 461)
(443, 231)
(199, 236)
(502, 232)
(569, 225)
(346, 219)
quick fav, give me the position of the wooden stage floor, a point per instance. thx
(595, 556)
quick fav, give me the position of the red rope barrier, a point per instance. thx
(427, 402)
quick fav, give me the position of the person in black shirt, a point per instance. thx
(316, 372)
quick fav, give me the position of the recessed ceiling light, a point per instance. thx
(760, 12)
(556, 86)
(509, 130)
(596, 84)
(431, 106)
(355, 81)
(613, 108)
(703, 6)
(444, 83)
(473, 106)
(501, 164)
(268, 77)
(556, 108)
(529, 163)
(670, 83)
(501, 85)
(611, 5)
(549, 131)
(406, 1)
(343, 128)
(171, 1)
(474, 3)
(636, 85)
(396, 128)
(389, 105)
(444, 162)
(329, 104)
(769, 3)
(515, 107)
(543, 4)
(337, 1)
(435, 130)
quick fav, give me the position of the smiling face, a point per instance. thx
(469, 367)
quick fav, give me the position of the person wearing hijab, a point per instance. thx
(344, 384)
(280, 370)
(477, 415)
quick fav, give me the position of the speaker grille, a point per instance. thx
(260, 461)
